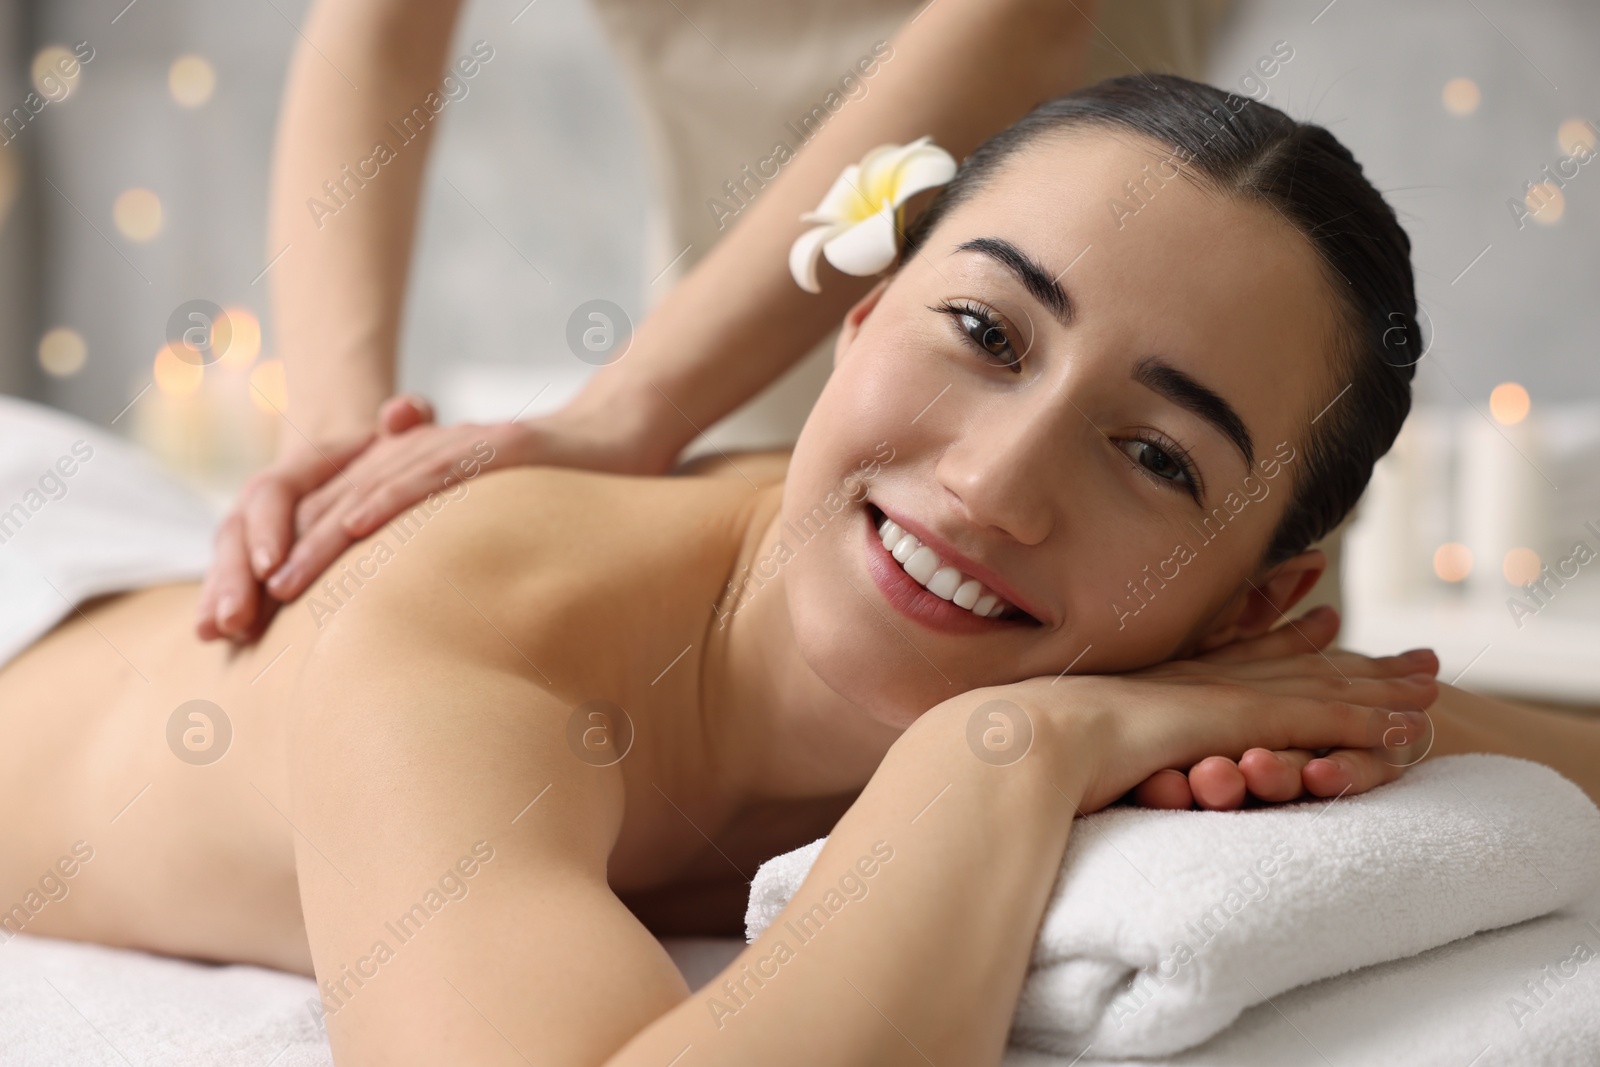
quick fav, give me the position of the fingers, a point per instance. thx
(387, 457)
(301, 493)
(1413, 692)
(1233, 718)
(229, 595)
(1351, 771)
(1274, 777)
(437, 462)
(1217, 784)
(1300, 649)
(391, 457)
(398, 471)
(407, 470)
(254, 539)
(1355, 665)
(317, 548)
(1392, 682)
(403, 411)
(1166, 789)
(1220, 784)
(268, 524)
(388, 500)
(340, 483)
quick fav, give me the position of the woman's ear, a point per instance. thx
(1267, 599)
(856, 316)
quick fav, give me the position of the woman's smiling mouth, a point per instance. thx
(917, 582)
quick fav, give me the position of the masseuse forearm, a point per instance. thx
(337, 290)
(963, 70)
(926, 962)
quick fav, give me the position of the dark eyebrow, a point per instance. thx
(1033, 277)
(1184, 391)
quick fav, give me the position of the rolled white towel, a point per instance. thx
(1165, 925)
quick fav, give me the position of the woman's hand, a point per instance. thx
(1222, 784)
(295, 518)
(1128, 729)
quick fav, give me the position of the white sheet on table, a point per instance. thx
(67, 1003)
(117, 522)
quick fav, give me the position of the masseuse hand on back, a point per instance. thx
(295, 518)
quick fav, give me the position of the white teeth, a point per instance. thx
(930, 572)
(945, 582)
(921, 564)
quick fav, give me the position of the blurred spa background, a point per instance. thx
(134, 180)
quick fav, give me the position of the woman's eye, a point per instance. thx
(986, 331)
(1159, 462)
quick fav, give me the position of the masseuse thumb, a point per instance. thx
(401, 412)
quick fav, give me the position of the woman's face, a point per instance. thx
(1088, 403)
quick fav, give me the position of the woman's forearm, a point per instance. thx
(1470, 722)
(343, 202)
(909, 940)
(961, 71)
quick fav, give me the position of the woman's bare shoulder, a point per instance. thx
(558, 560)
(570, 514)
(760, 468)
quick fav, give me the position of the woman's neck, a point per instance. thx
(775, 730)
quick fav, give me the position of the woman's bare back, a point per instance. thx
(164, 760)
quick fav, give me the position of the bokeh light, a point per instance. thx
(1461, 96)
(175, 376)
(269, 389)
(1521, 566)
(62, 352)
(1509, 403)
(244, 343)
(1575, 132)
(47, 72)
(1545, 203)
(137, 213)
(191, 80)
(1452, 562)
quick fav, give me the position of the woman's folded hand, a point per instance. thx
(1261, 775)
(1258, 711)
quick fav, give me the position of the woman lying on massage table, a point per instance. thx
(589, 705)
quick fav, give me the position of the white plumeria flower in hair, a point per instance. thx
(859, 220)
